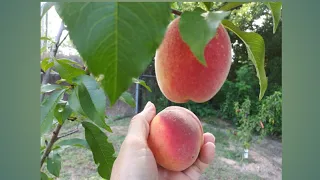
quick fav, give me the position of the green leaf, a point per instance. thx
(43, 49)
(55, 148)
(108, 36)
(127, 98)
(74, 142)
(89, 99)
(46, 64)
(46, 39)
(256, 52)
(231, 5)
(74, 102)
(50, 87)
(67, 71)
(46, 8)
(69, 61)
(62, 112)
(275, 8)
(174, 5)
(198, 28)
(95, 91)
(60, 81)
(208, 5)
(54, 164)
(42, 148)
(47, 110)
(141, 82)
(44, 176)
(102, 150)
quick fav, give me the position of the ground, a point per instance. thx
(265, 157)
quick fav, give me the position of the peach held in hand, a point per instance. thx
(175, 138)
(180, 75)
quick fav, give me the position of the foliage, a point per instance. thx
(267, 121)
(244, 89)
(127, 98)
(248, 124)
(47, 110)
(244, 86)
(102, 149)
(117, 42)
(268, 110)
(241, 81)
(256, 52)
(201, 110)
(141, 82)
(161, 103)
(108, 36)
(194, 23)
(54, 164)
(270, 113)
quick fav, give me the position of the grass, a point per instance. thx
(219, 169)
(77, 163)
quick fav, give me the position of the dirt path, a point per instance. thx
(265, 160)
(262, 161)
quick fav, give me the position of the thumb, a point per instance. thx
(139, 124)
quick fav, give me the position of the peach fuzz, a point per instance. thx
(175, 138)
(181, 77)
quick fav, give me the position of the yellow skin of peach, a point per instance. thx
(175, 138)
(181, 77)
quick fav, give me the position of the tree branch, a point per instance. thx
(45, 80)
(53, 54)
(54, 138)
(63, 40)
(68, 134)
(176, 12)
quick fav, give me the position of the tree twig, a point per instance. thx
(45, 80)
(63, 40)
(68, 133)
(176, 12)
(53, 53)
(54, 138)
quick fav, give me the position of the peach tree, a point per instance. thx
(117, 41)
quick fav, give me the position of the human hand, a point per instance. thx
(136, 161)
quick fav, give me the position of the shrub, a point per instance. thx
(200, 109)
(266, 122)
(244, 86)
(270, 113)
(248, 124)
